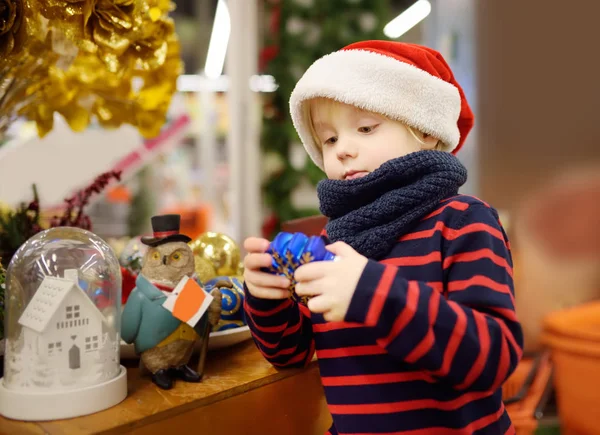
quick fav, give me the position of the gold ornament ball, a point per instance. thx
(204, 269)
(220, 250)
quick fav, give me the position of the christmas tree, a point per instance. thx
(300, 32)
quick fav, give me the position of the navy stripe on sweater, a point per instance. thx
(430, 336)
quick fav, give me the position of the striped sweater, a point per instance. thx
(430, 336)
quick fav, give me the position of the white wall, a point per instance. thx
(61, 162)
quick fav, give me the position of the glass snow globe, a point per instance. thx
(62, 305)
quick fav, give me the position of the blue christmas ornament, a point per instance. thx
(232, 304)
(295, 253)
(290, 251)
(276, 249)
(315, 251)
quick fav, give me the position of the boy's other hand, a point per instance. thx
(331, 284)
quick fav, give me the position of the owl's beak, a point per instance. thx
(165, 260)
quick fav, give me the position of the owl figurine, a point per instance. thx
(164, 343)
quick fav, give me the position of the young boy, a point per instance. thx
(414, 325)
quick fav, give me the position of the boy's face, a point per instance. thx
(356, 142)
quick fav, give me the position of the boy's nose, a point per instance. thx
(346, 149)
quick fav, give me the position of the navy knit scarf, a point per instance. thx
(371, 213)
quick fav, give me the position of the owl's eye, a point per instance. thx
(156, 255)
(178, 259)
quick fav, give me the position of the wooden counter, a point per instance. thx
(241, 394)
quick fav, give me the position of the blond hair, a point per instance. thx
(330, 107)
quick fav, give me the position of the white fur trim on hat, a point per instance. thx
(380, 84)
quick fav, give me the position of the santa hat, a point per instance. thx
(406, 82)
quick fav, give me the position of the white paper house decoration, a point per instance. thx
(62, 335)
(63, 326)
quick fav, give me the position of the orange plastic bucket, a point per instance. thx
(520, 380)
(574, 338)
(579, 322)
(530, 380)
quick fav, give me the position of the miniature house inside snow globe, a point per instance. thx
(62, 305)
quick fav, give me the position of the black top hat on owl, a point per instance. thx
(165, 229)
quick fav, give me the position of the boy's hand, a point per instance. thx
(262, 284)
(331, 283)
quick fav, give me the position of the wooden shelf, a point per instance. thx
(240, 394)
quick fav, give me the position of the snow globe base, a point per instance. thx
(55, 405)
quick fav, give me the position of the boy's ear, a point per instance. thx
(429, 142)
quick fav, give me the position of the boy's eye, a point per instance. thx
(367, 129)
(331, 140)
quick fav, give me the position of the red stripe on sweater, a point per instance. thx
(508, 335)
(412, 299)
(282, 352)
(334, 326)
(425, 234)
(380, 295)
(274, 329)
(456, 205)
(384, 378)
(420, 260)
(427, 343)
(460, 327)
(297, 358)
(438, 286)
(408, 405)
(343, 352)
(294, 360)
(476, 228)
(467, 430)
(269, 329)
(275, 310)
(503, 366)
(304, 310)
(451, 234)
(292, 329)
(265, 343)
(466, 257)
(506, 313)
(484, 350)
(481, 281)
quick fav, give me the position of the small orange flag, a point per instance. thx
(188, 301)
